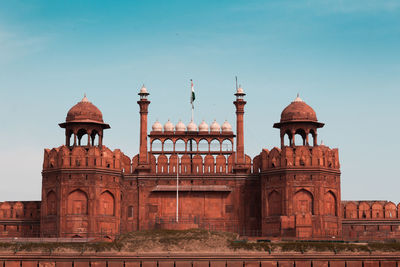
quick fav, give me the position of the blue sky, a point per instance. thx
(341, 56)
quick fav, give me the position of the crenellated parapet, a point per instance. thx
(370, 210)
(85, 157)
(17, 210)
(165, 164)
(297, 157)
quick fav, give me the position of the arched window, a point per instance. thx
(94, 138)
(106, 203)
(303, 202)
(130, 211)
(227, 145)
(82, 137)
(191, 145)
(51, 203)
(156, 145)
(180, 145)
(203, 145)
(77, 203)
(274, 204)
(215, 145)
(168, 145)
(300, 137)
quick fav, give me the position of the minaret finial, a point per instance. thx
(84, 99)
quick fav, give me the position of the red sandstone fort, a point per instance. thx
(290, 192)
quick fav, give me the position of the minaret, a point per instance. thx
(143, 104)
(239, 103)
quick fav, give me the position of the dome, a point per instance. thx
(240, 91)
(215, 127)
(203, 127)
(157, 127)
(143, 90)
(298, 110)
(226, 127)
(168, 126)
(192, 127)
(84, 111)
(180, 126)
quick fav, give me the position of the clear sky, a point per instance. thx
(341, 56)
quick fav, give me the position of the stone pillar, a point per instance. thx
(240, 157)
(143, 104)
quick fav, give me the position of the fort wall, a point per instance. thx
(204, 260)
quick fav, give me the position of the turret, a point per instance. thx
(84, 119)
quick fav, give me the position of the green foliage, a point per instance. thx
(197, 240)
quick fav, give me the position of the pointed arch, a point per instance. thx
(274, 203)
(303, 202)
(77, 203)
(51, 199)
(330, 207)
(107, 204)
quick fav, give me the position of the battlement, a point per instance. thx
(192, 164)
(298, 156)
(370, 210)
(86, 157)
(17, 210)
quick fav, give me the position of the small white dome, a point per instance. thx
(143, 90)
(168, 126)
(192, 127)
(215, 127)
(203, 127)
(180, 126)
(157, 127)
(226, 127)
(240, 90)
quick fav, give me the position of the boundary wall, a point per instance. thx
(204, 260)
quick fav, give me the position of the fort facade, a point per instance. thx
(289, 192)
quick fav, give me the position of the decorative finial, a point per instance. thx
(322, 143)
(298, 99)
(84, 99)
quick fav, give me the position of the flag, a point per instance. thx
(192, 95)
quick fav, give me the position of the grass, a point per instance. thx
(197, 240)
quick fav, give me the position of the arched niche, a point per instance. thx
(51, 199)
(330, 204)
(274, 203)
(303, 202)
(130, 211)
(77, 203)
(107, 204)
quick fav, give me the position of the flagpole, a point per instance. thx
(177, 187)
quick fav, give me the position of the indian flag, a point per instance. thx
(192, 95)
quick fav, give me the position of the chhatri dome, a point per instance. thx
(215, 127)
(168, 126)
(180, 126)
(192, 127)
(84, 111)
(298, 110)
(226, 127)
(203, 127)
(157, 127)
